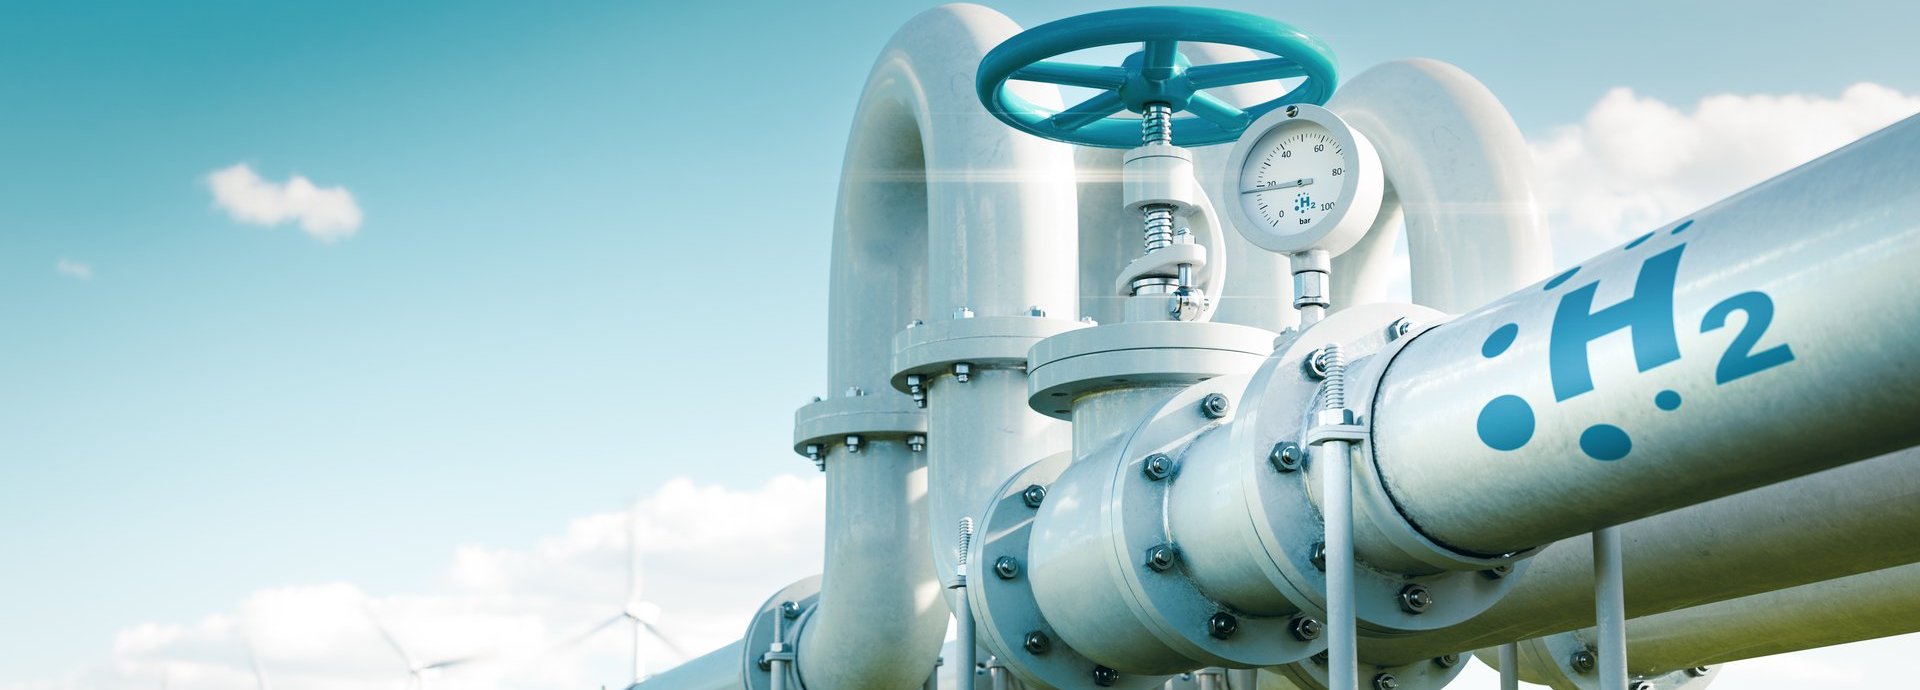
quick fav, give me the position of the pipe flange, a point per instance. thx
(826, 423)
(1002, 595)
(986, 342)
(1568, 661)
(1074, 363)
(1395, 593)
(1167, 601)
(795, 602)
(1430, 674)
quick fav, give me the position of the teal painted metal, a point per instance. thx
(1158, 73)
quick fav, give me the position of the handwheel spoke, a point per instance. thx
(1217, 111)
(1087, 112)
(1161, 56)
(1230, 73)
(1073, 74)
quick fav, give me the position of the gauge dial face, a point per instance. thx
(1294, 178)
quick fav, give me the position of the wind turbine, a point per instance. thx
(417, 672)
(641, 613)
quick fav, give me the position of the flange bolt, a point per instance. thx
(1006, 568)
(1034, 494)
(1285, 456)
(1306, 628)
(1215, 406)
(1583, 661)
(1415, 599)
(1447, 660)
(1698, 671)
(1386, 681)
(1222, 625)
(1037, 642)
(1160, 558)
(1157, 466)
(1497, 572)
(1104, 677)
(1319, 556)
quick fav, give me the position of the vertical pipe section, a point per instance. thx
(1621, 387)
(1510, 666)
(1343, 664)
(1610, 608)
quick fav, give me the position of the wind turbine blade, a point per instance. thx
(668, 641)
(456, 661)
(590, 632)
(387, 635)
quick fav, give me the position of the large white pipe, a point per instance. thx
(1630, 384)
(1853, 519)
(1459, 168)
(941, 207)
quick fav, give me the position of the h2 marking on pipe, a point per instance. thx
(1507, 422)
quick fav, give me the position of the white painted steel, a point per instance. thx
(1826, 250)
(1871, 605)
(1461, 171)
(1610, 609)
(1849, 520)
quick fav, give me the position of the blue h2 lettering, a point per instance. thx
(1647, 316)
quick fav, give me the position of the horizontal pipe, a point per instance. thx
(715, 670)
(1867, 606)
(1841, 522)
(1766, 337)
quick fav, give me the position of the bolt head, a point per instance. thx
(1035, 310)
(1306, 628)
(1286, 456)
(1399, 328)
(1034, 494)
(1006, 568)
(1698, 671)
(1447, 660)
(1497, 572)
(1104, 677)
(1639, 685)
(1215, 406)
(1319, 556)
(1037, 642)
(789, 609)
(1415, 599)
(1316, 364)
(1385, 681)
(1222, 625)
(1583, 661)
(1161, 558)
(1320, 658)
(1157, 466)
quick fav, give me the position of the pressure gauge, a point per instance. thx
(1301, 179)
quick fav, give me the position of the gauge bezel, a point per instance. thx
(1354, 210)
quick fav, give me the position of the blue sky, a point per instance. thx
(561, 296)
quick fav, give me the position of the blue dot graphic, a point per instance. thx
(1605, 442)
(1506, 423)
(1557, 280)
(1499, 340)
(1682, 227)
(1636, 241)
(1667, 400)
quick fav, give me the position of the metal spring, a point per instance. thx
(1159, 227)
(1156, 124)
(1334, 362)
(966, 540)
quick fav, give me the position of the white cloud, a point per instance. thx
(712, 555)
(73, 269)
(1635, 163)
(325, 213)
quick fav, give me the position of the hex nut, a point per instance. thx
(1157, 467)
(1105, 677)
(1385, 681)
(1215, 406)
(1286, 456)
(1037, 642)
(1006, 568)
(1306, 628)
(1034, 494)
(1161, 558)
(1319, 556)
(1316, 364)
(1698, 671)
(1222, 625)
(1447, 660)
(1497, 572)
(1415, 599)
(1583, 661)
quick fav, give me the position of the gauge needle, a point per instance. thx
(1270, 186)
